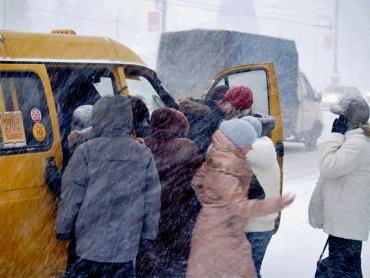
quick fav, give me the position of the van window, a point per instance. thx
(104, 86)
(24, 114)
(306, 88)
(80, 85)
(73, 87)
(140, 87)
(256, 80)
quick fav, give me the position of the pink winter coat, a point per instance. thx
(219, 247)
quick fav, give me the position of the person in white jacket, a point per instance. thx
(340, 203)
(264, 165)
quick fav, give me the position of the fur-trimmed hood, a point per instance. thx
(168, 123)
(193, 106)
(263, 153)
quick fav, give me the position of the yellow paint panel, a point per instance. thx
(20, 45)
(121, 81)
(2, 101)
(28, 247)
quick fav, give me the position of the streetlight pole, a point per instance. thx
(335, 74)
(117, 28)
(161, 5)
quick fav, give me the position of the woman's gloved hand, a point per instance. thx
(340, 125)
(65, 236)
(53, 177)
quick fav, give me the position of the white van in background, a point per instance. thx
(305, 120)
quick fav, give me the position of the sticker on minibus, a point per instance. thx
(39, 132)
(12, 129)
(36, 115)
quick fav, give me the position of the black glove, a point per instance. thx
(53, 177)
(340, 125)
(256, 190)
(145, 243)
(65, 236)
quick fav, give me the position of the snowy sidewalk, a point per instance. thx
(294, 250)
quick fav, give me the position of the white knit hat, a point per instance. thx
(239, 132)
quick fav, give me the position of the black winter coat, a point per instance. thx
(204, 117)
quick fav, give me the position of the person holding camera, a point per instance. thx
(340, 203)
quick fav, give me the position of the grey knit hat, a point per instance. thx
(81, 117)
(255, 122)
(239, 132)
(354, 108)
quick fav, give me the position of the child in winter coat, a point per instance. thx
(81, 119)
(264, 165)
(340, 203)
(219, 247)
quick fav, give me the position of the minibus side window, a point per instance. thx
(307, 89)
(25, 121)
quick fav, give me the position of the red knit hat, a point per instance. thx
(241, 97)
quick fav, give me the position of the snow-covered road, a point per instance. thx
(294, 250)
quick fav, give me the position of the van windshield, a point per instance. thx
(140, 87)
(104, 86)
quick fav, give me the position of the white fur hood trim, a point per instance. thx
(263, 153)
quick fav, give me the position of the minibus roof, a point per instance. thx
(43, 47)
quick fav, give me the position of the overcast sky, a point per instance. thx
(310, 23)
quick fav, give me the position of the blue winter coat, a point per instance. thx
(110, 188)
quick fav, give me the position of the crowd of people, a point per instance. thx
(195, 192)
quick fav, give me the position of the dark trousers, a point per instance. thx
(72, 256)
(90, 269)
(344, 257)
(259, 242)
